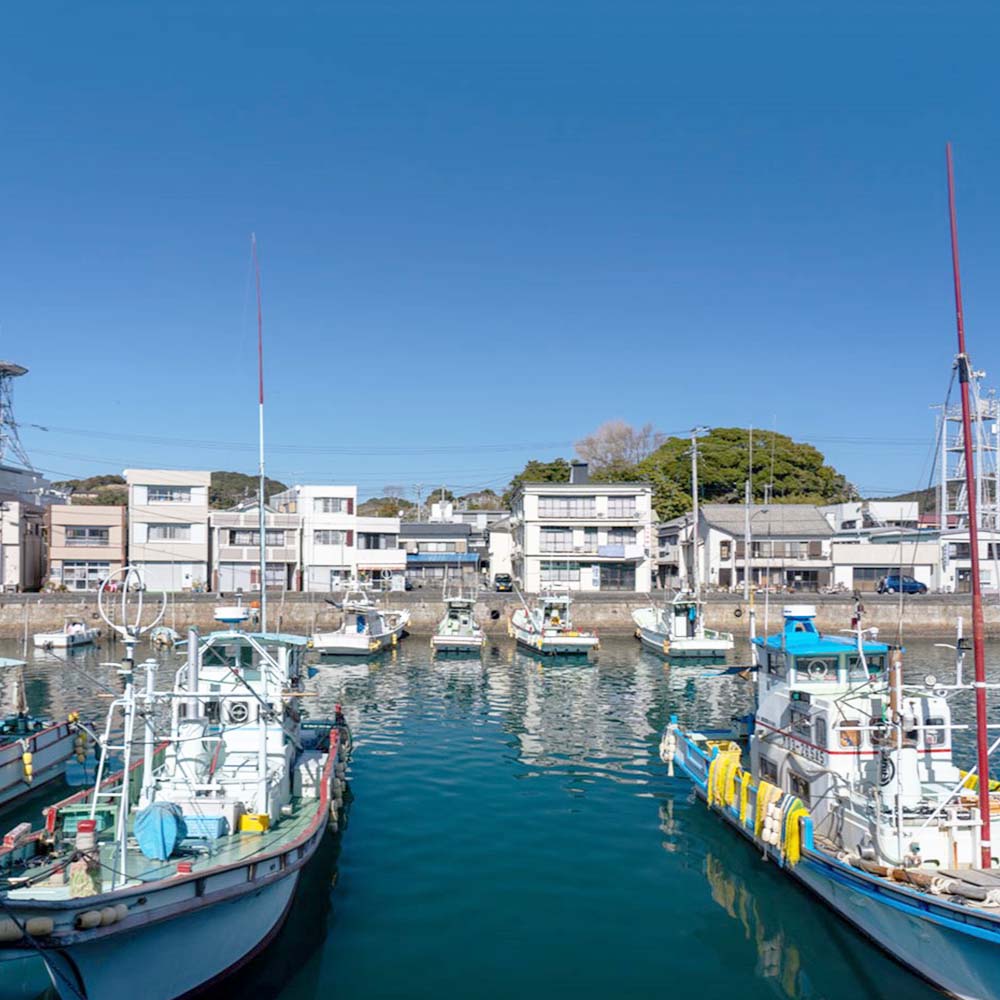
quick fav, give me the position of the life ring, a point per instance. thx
(738, 613)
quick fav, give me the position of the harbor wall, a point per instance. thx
(928, 614)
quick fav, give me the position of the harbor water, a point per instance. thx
(514, 833)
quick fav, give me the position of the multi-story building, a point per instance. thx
(235, 548)
(168, 527)
(583, 536)
(789, 548)
(22, 547)
(436, 551)
(339, 545)
(86, 544)
(480, 521)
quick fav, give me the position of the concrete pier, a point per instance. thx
(929, 614)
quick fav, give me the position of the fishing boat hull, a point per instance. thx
(49, 748)
(214, 943)
(952, 946)
(653, 635)
(65, 640)
(555, 643)
(341, 643)
(468, 645)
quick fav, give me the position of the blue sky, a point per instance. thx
(486, 228)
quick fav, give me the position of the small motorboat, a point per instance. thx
(73, 633)
(548, 628)
(458, 631)
(678, 630)
(366, 628)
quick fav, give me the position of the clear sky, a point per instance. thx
(485, 228)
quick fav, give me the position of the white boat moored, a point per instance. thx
(73, 633)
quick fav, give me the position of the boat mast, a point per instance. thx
(694, 497)
(979, 653)
(262, 521)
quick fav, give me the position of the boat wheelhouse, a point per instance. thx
(73, 633)
(458, 631)
(548, 628)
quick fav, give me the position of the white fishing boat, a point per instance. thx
(365, 628)
(199, 851)
(678, 630)
(548, 628)
(848, 782)
(458, 632)
(33, 750)
(73, 633)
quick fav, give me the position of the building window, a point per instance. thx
(725, 549)
(168, 494)
(617, 576)
(557, 539)
(590, 539)
(331, 505)
(276, 575)
(376, 540)
(621, 506)
(84, 575)
(324, 537)
(560, 572)
(248, 536)
(169, 533)
(960, 550)
(433, 546)
(567, 507)
(88, 536)
(621, 536)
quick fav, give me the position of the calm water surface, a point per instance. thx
(513, 833)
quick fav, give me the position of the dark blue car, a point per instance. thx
(895, 583)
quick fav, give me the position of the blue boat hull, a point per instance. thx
(957, 948)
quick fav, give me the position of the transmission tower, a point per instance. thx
(953, 496)
(10, 441)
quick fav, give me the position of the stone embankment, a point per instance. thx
(930, 614)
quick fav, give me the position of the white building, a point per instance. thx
(22, 552)
(337, 544)
(500, 543)
(955, 569)
(790, 546)
(860, 564)
(235, 548)
(168, 527)
(583, 536)
(861, 515)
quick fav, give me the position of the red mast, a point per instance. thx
(978, 648)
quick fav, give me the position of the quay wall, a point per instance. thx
(929, 614)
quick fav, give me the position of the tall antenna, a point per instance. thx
(10, 441)
(262, 520)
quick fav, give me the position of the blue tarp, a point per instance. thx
(158, 827)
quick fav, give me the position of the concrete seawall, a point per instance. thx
(930, 614)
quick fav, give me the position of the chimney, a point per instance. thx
(579, 473)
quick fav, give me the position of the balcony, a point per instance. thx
(251, 554)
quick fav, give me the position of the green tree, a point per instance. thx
(556, 471)
(796, 472)
(385, 507)
(227, 489)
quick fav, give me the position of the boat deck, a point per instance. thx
(203, 855)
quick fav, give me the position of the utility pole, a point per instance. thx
(694, 496)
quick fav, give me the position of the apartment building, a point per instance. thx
(435, 552)
(583, 536)
(339, 545)
(235, 548)
(86, 544)
(168, 527)
(789, 549)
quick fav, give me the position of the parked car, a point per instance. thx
(895, 583)
(503, 582)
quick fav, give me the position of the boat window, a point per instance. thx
(876, 663)
(819, 731)
(799, 720)
(816, 668)
(768, 770)
(800, 787)
(850, 733)
(934, 731)
(776, 664)
(212, 711)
